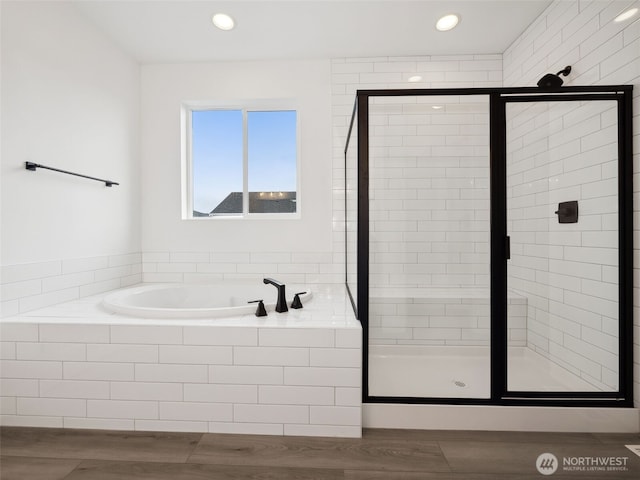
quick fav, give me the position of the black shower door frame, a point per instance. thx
(498, 99)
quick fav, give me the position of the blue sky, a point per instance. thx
(217, 154)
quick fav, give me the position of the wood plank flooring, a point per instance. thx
(66, 454)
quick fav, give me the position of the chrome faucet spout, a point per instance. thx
(281, 304)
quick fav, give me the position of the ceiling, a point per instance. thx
(181, 31)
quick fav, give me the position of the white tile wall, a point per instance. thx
(198, 267)
(30, 286)
(579, 329)
(429, 168)
(115, 372)
(442, 320)
(429, 177)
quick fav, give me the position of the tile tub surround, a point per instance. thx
(198, 267)
(440, 316)
(76, 366)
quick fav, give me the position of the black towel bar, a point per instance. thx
(32, 166)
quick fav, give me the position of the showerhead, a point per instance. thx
(551, 81)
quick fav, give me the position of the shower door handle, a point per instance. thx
(507, 247)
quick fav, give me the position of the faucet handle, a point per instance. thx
(260, 311)
(296, 300)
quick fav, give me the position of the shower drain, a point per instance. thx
(459, 383)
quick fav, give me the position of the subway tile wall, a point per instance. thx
(442, 321)
(429, 193)
(558, 152)
(196, 267)
(404, 134)
(582, 274)
(30, 286)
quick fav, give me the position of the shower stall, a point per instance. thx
(489, 244)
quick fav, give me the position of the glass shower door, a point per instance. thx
(429, 238)
(563, 227)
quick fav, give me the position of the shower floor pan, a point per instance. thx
(461, 372)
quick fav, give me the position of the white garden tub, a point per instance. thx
(198, 300)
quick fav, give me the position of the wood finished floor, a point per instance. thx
(64, 454)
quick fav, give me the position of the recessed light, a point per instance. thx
(447, 22)
(415, 78)
(626, 15)
(223, 21)
(437, 107)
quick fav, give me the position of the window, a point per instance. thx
(241, 162)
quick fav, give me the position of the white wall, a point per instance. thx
(601, 52)
(201, 249)
(70, 99)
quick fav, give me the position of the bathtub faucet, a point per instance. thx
(281, 305)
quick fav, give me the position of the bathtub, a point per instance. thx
(77, 365)
(181, 300)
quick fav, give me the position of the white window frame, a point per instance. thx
(187, 156)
